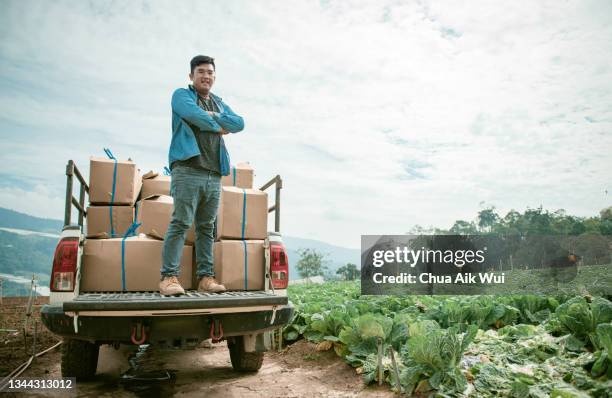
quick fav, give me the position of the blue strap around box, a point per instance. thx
(244, 198)
(246, 259)
(130, 232)
(111, 156)
(246, 265)
(135, 214)
(234, 173)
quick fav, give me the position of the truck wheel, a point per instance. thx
(243, 361)
(79, 359)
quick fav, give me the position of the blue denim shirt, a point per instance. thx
(185, 108)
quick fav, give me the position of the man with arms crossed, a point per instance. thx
(198, 158)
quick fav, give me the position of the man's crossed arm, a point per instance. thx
(229, 121)
(222, 123)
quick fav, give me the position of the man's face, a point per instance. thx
(203, 78)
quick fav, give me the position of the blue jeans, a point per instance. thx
(196, 193)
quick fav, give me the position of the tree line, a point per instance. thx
(592, 234)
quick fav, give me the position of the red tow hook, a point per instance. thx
(141, 332)
(213, 337)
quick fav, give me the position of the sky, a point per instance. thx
(378, 115)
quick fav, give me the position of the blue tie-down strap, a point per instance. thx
(244, 244)
(167, 171)
(135, 214)
(111, 156)
(130, 232)
(234, 174)
(244, 198)
(246, 265)
(109, 153)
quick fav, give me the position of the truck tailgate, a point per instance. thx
(154, 301)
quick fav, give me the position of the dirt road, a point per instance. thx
(299, 371)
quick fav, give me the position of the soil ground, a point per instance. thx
(13, 350)
(297, 371)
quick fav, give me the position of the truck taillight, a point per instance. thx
(64, 265)
(279, 265)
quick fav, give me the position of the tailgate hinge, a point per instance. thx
(75, 322)
(273, 315)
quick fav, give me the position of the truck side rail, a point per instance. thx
(71, 171)
(278, 185)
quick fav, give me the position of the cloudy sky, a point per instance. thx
(378, 115)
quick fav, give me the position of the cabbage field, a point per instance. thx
(455, 346)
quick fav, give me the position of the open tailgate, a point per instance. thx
(154, 301)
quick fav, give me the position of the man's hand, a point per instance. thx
(222, 131)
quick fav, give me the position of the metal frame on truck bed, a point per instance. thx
(87, 320)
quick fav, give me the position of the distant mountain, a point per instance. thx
(337, 255)
(20, 257)
(14, 289)
(14, 219)
(23, 255)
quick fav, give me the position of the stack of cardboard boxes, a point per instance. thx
(115, 262)
(110, 214)
(112, 260)
(242, 227)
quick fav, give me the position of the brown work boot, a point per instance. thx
(208, 284)
(170, 286)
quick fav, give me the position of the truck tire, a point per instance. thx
(244, 361)
(79, 359)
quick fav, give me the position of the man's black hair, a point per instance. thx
(201, 59)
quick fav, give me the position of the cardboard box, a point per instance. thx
(230, 219)
(101, 267)
(155, 184)
(241, 176)
(155, 213)
(127, 184)
(99, 221)
(231, 268)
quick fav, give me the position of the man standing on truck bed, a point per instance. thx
(198, 158)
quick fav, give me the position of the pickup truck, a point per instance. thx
(245, 319)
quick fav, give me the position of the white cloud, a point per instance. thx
(507, 103)
(40, 201)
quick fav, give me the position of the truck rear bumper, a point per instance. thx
(171, 330)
